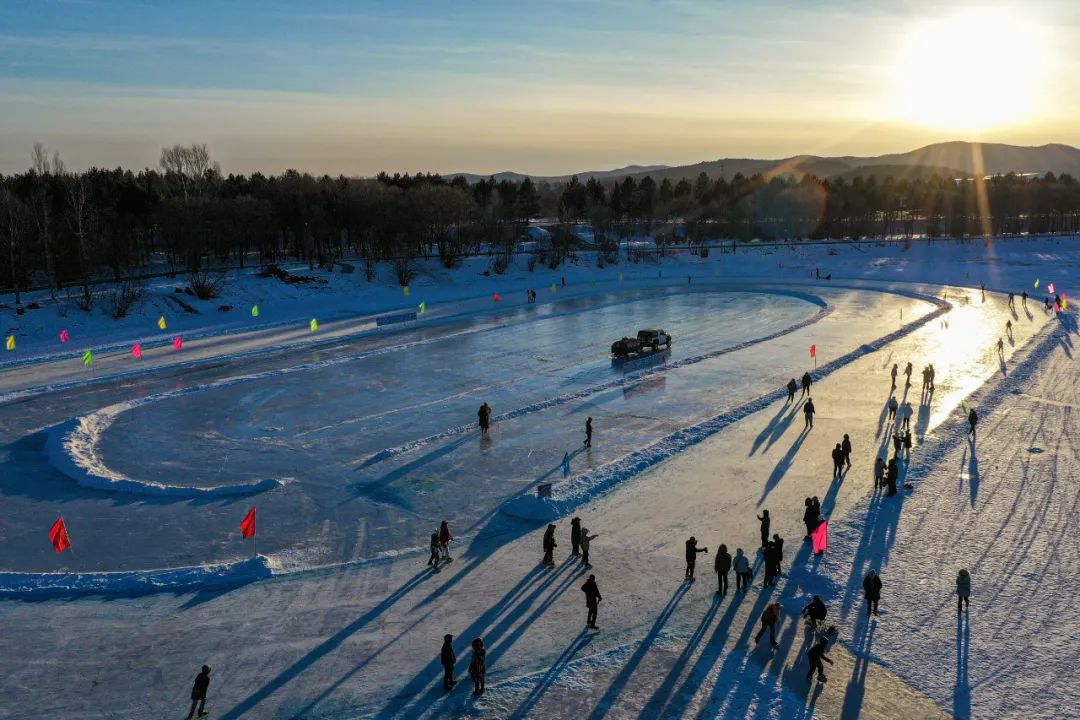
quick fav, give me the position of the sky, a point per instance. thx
(544, 87)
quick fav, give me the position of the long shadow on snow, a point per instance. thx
(783, 465)
(579, 643)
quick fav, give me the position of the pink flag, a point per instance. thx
(813, 351)
(136, 351)
(177, 343)
(64, 337)
(820, 536)
(1050, 287)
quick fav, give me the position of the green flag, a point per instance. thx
(254, 311)
(423, 307)
(88, 358)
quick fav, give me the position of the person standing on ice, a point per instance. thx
(907, 374)
(478, 666)
(898, 442)
(765, 521)
(449, 660)
(893, 405)
(1001, 348)
(810, 517)
(778, 543)
(198, 692)
(879, 472)
(484, 414)
(815, 613)
(973, 420)
(932, 372)
(907, 411)
(963, 591)
(743, 573)
(807, 381)
(769, 620)
(808, 413)
(575, 537)
(872, 590)
(792, 386)
(586, 538)
(837, 461)
(846, 447)
(907, 445)
(1012, 301)
(588, 433)
(436, 551)
(444, 539)
(592, 601)
(895, 370)
(692, 551)
(892, 475)
(1023, 298)
(768, 556)
(722, 565)
(549, 545)
(814, 656)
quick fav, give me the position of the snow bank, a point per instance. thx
(571, 494)
(40, 586)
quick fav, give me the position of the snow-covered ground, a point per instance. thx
(367, 436)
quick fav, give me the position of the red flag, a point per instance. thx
(820, 536)
(813, 351)
(247, 525)
(59, 536)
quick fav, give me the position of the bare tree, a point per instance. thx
(80, 216)
(15, 220)
(189, 166)
(42, 199)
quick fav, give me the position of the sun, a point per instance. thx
(972, 70)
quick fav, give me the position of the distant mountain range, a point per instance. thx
(952, 159)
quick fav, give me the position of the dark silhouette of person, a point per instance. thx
(893, 405)
(892, 474)
(1023, 298)
(872, 589)
(895, 370)
(808, 411)
(586, 540)
(478, 666)
(807, 381)
(779, 543)
(815, 656)
(879, 472)
(907, 373)
(837, 461)
(198, 692)
(973, 420)
(484, 415)
(436, 549)
(769, 620)
(549, 545)
(575, 537)
(692, 551)
(846, 447)
(791, 388)
(815, 613)
(765, 521)
(722, 565)
(810, 517)
(588, 433)
(449, 660)
(592, 601)
(963, 590)
(768, 556)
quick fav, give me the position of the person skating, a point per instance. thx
(549, 545)
(764, 527)
(444, 539)
(575, 537)
(808, 411)
(792, 386)
(815, 613)
(588, 433)
(198, 692)
(807, 381)
(478, 666)
(449, 660)
(892, 474)
(743, 572)
(893, 405)
(846, 447)
(778, 542)
(973, 420)
(837, 461)
(815, 656)
(872, 589)
(769, 620)
(484, 415)
(586, 540)
(963, 590)
(692, 551)
(436, 551)
(592, 601)
(722, 566)
(879, 472)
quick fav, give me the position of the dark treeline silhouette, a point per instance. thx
(66, 230)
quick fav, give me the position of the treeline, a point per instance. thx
(65, 230)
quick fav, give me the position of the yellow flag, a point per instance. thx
(554, 288)
(161, 323)
(620, 277)
(405, 289)
(11, 342)
(314, 324)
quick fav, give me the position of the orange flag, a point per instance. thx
(59, 536)
(813, 351)
(247, 525)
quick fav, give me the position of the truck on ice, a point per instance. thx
(647, 340)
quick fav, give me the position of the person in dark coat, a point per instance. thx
(768, 557)
(807, 381)
(895, 370)
(963, 590)
(484, 416)
(586, 541)
(779, 543)
(893, 405)
(907, 444)
(973, 420)
(898, 442)
(549, 545)
(198, 692)
(871, 586)
(769, 620)
(722, 565)
(449, 660)
(691, 556)
(879, 472)
(837, 461)
(765, 521)
(846, 447)
(809, 517)
(592, 601)
(478, 666)
(815, 613)
(588, 433)
(436, 551)
(892, 474)
(791, 388)
(808, 411)
(575, 537)
(444, 539)
(814, 656)
(907, 373)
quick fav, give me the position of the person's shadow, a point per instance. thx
(962, 689)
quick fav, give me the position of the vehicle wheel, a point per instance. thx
(655, 347)
(669, 343)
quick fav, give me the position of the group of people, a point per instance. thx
(477, 666)
(841, 456)
(440, 545)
